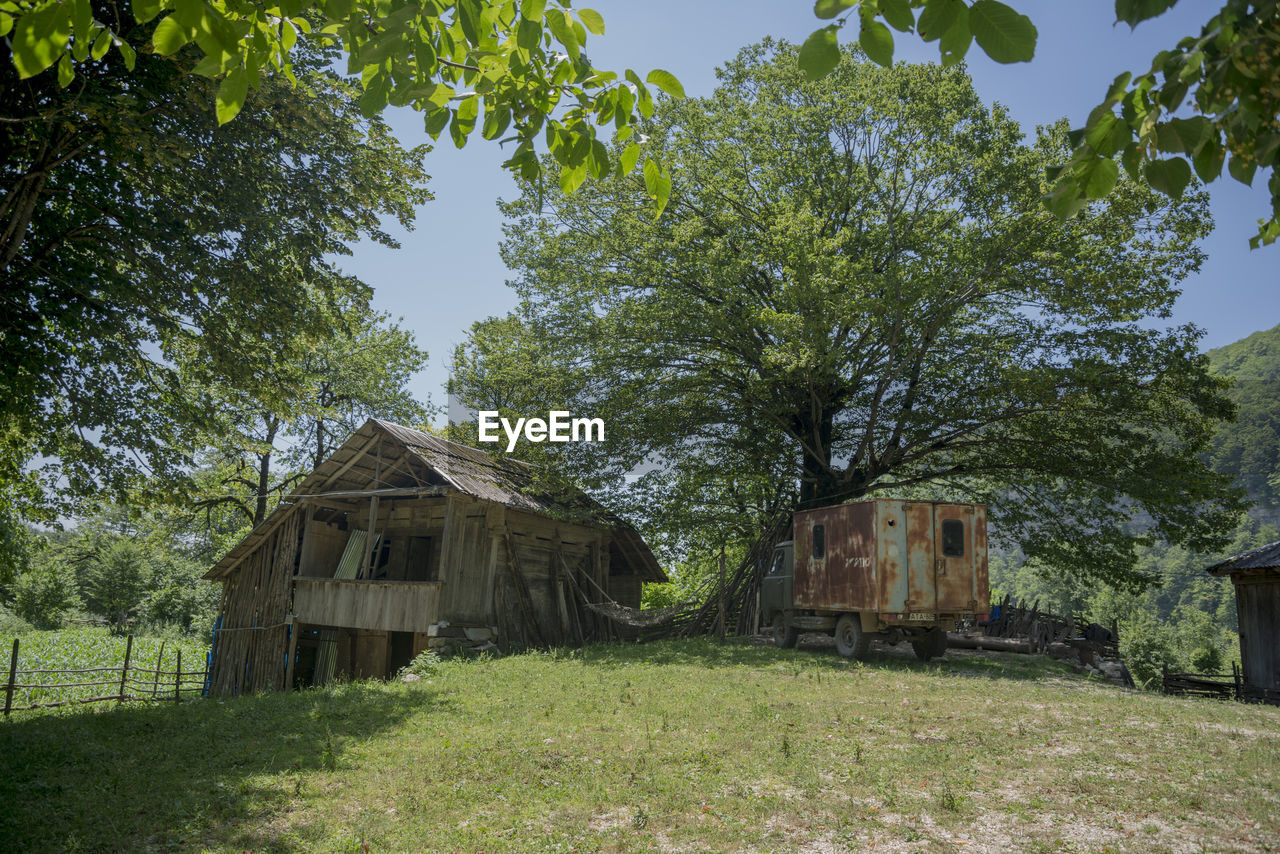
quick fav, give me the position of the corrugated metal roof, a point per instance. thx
(1263, 557)
(501, 480)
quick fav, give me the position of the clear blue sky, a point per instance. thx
(448, 275)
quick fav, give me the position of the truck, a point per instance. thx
(884, 569)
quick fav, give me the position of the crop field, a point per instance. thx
(84, 648)
(672, 747)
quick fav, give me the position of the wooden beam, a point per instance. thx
(354, 457)
(390, 492)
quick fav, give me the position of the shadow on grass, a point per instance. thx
(818, 651)
(164, 777)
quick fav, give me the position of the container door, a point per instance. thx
(921, 600)
(954, 557)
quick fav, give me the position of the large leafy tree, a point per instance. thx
(1230, 72)
(856, 286)
(135, 230)
(262, 444)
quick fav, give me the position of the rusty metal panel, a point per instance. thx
(891, 554)
(981, 583)
(954, 560)
(920, 555)
(844, 577)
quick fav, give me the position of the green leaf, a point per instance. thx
(231, 94)
(592, 20)
(939, 16)
(66, 73)
(1208, 161)
(955, 42)
(1004, 34)
(127, 53)
(899, 15)
(82, 28)
(496, 121)
(830, 8)
(40, 37)
(572, 178)
(529, 33)
(666, 81)
(876, 41)
(170, 37)
(1102, 178)
(145, 10)
(1241, 171)
(1183, 135)
(561, 28)
(1134, 12)
(820, 53)
(627, 159)
(598, 159)
(1169, 176)
(101, 45)
(658, 184)
(533, 9)
(433, 123)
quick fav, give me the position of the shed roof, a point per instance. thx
(383, 455)
(1263, 557)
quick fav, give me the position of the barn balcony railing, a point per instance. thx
(391, 606)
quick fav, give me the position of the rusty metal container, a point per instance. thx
(907, 562)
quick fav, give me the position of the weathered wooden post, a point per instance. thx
(13, 673)
(124, 671)
(177, 679)
(155, 682)
(293, 650)
(722, 618)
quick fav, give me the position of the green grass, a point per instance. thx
(678, 746)
(84, 647)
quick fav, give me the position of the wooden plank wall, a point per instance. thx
(252, 641)
(396, 606)
(1258, 609)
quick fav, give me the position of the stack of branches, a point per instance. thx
(702, 616)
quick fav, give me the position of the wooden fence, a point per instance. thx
(127, 681)
(1225, 686)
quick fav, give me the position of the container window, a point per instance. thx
(777, 568)
(953, 538)
(819, 542)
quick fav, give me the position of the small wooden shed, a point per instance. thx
(1256, 576)
(402, 541)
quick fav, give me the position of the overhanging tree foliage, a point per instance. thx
(856, 285)
(1231, 71)
(134, 230)
(518, 70)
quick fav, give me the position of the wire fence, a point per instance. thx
(128, 681)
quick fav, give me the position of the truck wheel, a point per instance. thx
(932, 644)
(784, 635)
(851, 641)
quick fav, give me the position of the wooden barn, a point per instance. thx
(1256, 576)
(401, 541)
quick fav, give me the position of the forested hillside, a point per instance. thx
(1189, 619)
(1250, 448)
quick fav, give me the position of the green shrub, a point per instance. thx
(45, 593)
(11, 623)
(1147, 647)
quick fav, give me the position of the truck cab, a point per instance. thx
(882, 569)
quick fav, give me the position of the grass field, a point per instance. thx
(677, 746)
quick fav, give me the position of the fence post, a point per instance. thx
(13, 673)
(155, 683)
(293, 652)
(177, 679)
(124, 671)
